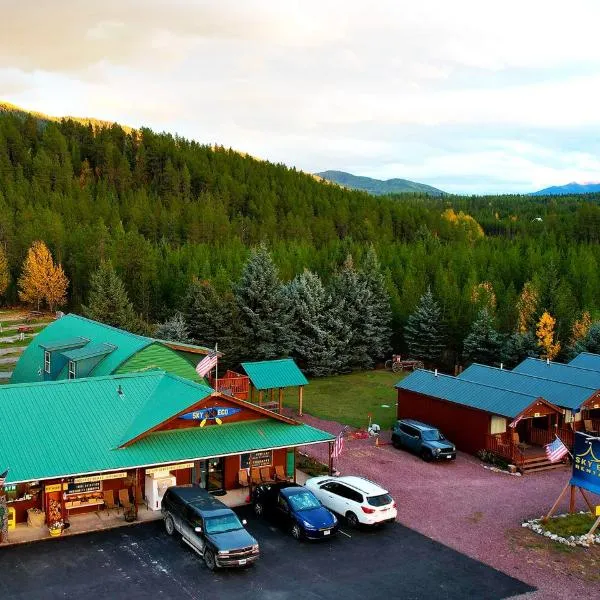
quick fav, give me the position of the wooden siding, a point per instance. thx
(465, 427)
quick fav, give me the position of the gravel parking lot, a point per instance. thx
(474, 511)
(142, 562)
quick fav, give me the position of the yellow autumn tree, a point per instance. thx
(527, 307)
(545, 335)
(467, 223)
(580, 327)
(483, 295)
(42, 280)
(4, 272)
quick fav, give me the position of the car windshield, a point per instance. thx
(222, 524)
(303, 501)
(433, 435)
(381, 500)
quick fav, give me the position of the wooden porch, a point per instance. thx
(525, 449)
(232, 383)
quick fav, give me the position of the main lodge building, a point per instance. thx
(92, 411)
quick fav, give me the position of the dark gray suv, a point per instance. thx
(422, 439)
(208, 526)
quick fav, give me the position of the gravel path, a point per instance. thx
(464, 506)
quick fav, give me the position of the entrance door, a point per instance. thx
(212, 474)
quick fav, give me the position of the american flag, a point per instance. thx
(338, 445)
(3, 477)
(556, 450)
(514, 423)
(207, 364)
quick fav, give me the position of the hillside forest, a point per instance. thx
(171, 219)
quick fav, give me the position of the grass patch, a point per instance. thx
(350, 398)
(576, 524)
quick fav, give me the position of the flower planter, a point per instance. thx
(55, 532)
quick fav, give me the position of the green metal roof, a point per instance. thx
(161, 357)
(89, 351)
(587, 360)
(64, 344)
(490, 399)
(559, 372)
(32, 360)
(270, 374)
(62, 428)
(562, 394)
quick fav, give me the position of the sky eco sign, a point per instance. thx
(586, 463)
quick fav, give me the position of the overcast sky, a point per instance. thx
(467, 95)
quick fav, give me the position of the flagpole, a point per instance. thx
(556, 435)
(217, 367)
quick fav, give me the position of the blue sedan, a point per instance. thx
(294, 508)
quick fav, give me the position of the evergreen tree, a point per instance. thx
(314, 326)
(378, 313)
(424, 330)
(517, 347)
(590, 343)
(108, 301)
(483, 344)
(264, 312)
(350, 290)
(173, 329)
(4, 271)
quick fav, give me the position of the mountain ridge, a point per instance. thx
(569, 188)
(378, 187)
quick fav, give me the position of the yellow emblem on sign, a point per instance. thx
(598, 511)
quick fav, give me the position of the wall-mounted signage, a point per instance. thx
(169, 468)
(586, 463)
(105, 477)
(55, 487)
(211, 414)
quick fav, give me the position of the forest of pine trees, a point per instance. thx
(180, 224)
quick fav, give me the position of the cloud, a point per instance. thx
(434, 91)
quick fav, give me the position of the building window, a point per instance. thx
(72, 369)
(498, 424)
(264, 458)
(46, 361)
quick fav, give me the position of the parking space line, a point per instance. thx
(346, 534)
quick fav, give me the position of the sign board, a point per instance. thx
(103, 477)
(55, 487)
(169, 468)
(210, 414)
(83, 487)
(536, 414)
(586, 463)
(262, 458)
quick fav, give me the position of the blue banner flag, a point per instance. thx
(586, 462)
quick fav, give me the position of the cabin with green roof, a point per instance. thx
(74, 347)
(70, 443)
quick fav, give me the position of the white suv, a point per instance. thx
(359, 500)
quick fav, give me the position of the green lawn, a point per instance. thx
(350, 398)
(575, 524)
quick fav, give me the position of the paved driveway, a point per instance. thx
(469, 508)
(143, 562)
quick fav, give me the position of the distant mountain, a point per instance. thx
(377, 187)
(570, 188)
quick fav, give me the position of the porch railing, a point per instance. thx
(502, 445)
(233, 384)
(541, 437)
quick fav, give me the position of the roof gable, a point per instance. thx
(483, 397)
(182, 395)
(560, 372)
(270, 374)
(567, 395)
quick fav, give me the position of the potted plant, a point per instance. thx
(130, 514)
(56, 528)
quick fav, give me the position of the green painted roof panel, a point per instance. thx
(89, 351)
(490, 399)
(70, 326)
(64, 344)
(269, 374)
(73, 427)
(160, 357)
(561, 394)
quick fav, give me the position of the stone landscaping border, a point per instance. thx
(584, 540)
